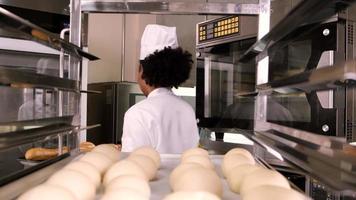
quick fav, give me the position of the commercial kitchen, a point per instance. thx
(264, 107)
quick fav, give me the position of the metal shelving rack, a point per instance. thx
(65, 90)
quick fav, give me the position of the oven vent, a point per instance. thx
(350, 34)
(349, 125)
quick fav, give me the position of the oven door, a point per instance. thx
(221, 80)
(310, 111)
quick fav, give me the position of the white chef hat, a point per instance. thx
(157, 37)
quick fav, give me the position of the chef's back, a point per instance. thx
(163, 121)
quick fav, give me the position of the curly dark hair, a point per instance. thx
(167, 68)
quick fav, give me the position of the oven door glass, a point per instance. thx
(221, 80)
(313, 111)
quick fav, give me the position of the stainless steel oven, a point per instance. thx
(322, 112)
(221, 79)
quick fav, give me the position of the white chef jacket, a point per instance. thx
(163, 121)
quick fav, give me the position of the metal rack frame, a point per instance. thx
(175, 7)
(17, 133)
(33, 32)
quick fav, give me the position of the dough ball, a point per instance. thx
(46, 191)
(233, 161)
(87, 169)
(132, 182)
(179, 170)
(98, 160)
(199, 179)
(150, 152)
(184, 195)
(109, 150)
(263, 177)
(202, 160)
(147, 164)
(124, 167)
(79, 184)
(124, 194)
(194, 152)
(269, 192)
(240, 151)
(237, 174)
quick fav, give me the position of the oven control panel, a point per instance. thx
(218, 28)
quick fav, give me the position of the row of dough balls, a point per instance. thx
(128, 178)
(253, 182)
(79, 179)
(195, 178)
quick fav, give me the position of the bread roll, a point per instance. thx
(87, 169)
(240, 151)
(150, 152)
(179, 170)
(79, 184)
(194, 152)
(233, 161)
(40, 35)
(130, 181)
(202, 160)
(124, 167)
(147, 164)
(109, 150)
(263, 177)
(86, 146)
(199, 179)
(124, 194)
(184, 195)
(98, 160)
(42, 153)
(47, 191)
(237, 175)
(269, 192)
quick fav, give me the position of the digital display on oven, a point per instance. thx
(218, 28)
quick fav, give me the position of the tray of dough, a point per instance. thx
(105, 173)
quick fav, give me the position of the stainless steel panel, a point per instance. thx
(59, 7)
(170, 7)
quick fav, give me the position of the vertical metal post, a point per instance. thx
(262, 66)
(123, 47)
(262, 72)
(75, 38)
(60, 93)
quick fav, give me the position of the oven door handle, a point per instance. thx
(207, 87)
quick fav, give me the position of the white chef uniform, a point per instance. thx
(163, 120)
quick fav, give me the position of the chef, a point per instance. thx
(163, 120)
